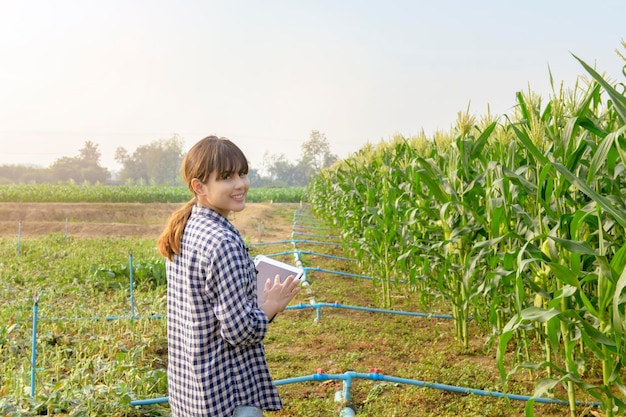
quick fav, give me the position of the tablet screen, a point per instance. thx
(268, 268)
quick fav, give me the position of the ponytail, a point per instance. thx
(169, 241)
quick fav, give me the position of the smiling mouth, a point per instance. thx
(239, 196)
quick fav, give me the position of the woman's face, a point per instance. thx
(223, 194)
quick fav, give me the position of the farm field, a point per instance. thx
(145, 220)
(95, 367)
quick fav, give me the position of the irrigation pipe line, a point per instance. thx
(324, 255)
(33, 357)
(314, 235)
(377, 375)
(304, 252)
(330, 271)
(309, 226)
(319, 306)
(316, 242)
(107, 318)
(347, 274)
(301, 306)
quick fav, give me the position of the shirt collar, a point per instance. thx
(210, 213)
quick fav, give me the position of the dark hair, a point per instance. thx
(211, 154)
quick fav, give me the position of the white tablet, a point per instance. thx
(268, 268)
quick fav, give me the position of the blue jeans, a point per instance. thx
(247, 411)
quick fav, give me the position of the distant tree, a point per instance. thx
(280, 170)
(316, 156)
(22, 174)
(253, 174)
(90, 153)
(156, 163)
(81, 168)
(316, 153)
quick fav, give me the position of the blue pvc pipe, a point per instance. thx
(132, 284)
(111, 318)
(305, 252)
(149, 401)
(374, 310)
(330, 271)
(377, 376)
(274, 255)
(33, 357)
(310, 226)
(463, 390)
(317, 242)
(19, 238)
(108, 318)
(294, 241)
(347, 377)
(347, 388)
(277, 242)
(314, 235)
(325, 255)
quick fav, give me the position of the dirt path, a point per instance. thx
(258, 222)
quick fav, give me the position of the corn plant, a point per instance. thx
(518, 224)
(578, 269)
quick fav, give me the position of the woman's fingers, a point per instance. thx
(281, 292)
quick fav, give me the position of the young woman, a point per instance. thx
(215, 329)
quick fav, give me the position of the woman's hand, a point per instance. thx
(278, 294)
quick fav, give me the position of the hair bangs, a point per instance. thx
(229, 159)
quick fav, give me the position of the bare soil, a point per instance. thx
(257, 222)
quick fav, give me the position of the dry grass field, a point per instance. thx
(259, 221)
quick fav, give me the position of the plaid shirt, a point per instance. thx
(216, 359)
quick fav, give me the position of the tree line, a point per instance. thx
(158, 163)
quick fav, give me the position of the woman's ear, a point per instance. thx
(197, 186)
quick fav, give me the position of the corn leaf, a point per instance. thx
(619, 101)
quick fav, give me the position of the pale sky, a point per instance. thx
(267, 73)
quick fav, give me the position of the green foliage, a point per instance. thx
(82, 168)
(98, 193)
(150, 273)
(155, 163)
(518, 225)
(94, 360)
(315, 156)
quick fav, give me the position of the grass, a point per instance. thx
(90, 366)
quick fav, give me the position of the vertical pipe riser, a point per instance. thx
(19, 238)
(34, 349)
(132, 285)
